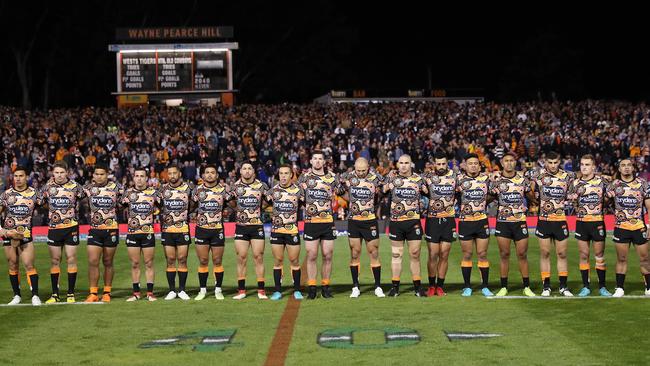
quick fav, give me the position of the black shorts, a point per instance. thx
(469, 230)
(405, 230)
(557, 230)
(211, 237)
(590, 230)
(636, 237)
(103, 238)
(140, 240)
(249, 232)
(285, 239)
(367, 230)
(514, 230)
(441, 229)
(61, 237)
(175, 239)
(319, 231)
(7, 242)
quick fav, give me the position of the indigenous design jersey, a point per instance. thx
(553, 190)
(141, 205)
(285, 208)
(473, 196)
(405, 197)
(210, 202)
(103, 202)
(590, 196)
(249, 201)
(62, 203)
(362, 192)
(319, 192)
(629, 198)
(511, 194)
(442, 194)
(175, 207)
(19, 207)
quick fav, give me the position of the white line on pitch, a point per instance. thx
(568, 298)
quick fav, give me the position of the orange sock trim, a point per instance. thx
(325, 282)
(72, 270)
(395, 279)
(218, 269)
(295, 268)
(563, 274)
(546, 275)
(375, 265)
(182, 270)
(94, 290)
(260, 279)
(203, 269)
(13, 273)
(277, 267)
(55, 270)
(483, 264)
(466, 263)
(311, 283)
(107, 289)
(32, 272)
(417, 278)
(241, 278)
(584, 266)
(171, 269)
(602, 267)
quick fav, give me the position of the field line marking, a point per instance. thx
(282, 339)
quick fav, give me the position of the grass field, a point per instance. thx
(534, 332)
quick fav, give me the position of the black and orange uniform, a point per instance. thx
(512, 205)
(405, 207)
(18, 207)
(103, 201)
(441, 213)
(140, 209)
(319, 191)
(174, 214)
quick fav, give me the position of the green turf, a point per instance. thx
(586, 332)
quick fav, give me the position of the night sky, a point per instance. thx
(299, 51)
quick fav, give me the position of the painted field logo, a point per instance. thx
(202, 341)
(368, 338)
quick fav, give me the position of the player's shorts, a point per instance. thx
(285, 239)
(7, 241)
(557, 230)
(175, 239)
(405, 230)
(61, 237)
(439, 230)
(319, 231)
(469, 230)
(211, 237)
(513, 230)
(366, 230)
(103, 238)
(140, 240)
(590, 230)
(249, 232)
(636, 237)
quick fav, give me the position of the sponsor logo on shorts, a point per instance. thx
(307, 237)
(74, 238)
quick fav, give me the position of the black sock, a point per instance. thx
(585, 277)
(277, 278)
(33, 280)
(416, 284)
(72, 281)
(136, 287)
(182, 280)
(171, 280)
(601, 277)
(504, 282)
(526, 281)
(218, 278)
(241, 284)
(440, 282)
(432, 281)
(620, 280)
(296, 279)
(149, 287)
(485, 275)
(376, 273)
(54, 277)
(203, 279)
(647, 281)
(563, 280)
(547, 282)
(260, 285)
(396, 284)
(15, 285)
(354, 271)
(467, 274)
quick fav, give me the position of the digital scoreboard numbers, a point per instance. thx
(169, 71)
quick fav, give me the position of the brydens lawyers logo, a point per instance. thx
(553, 192)
(512, 198)
(627, 202)
(209, 206)
(174, 204)
(102, 202)
(59, 203)
(590, 199)
(442, 190)
(284, 206)
(141, 208)
(248, 202)
(361, 193)
(474, 194)
(19, 210)
(405, 193)
(318, 194)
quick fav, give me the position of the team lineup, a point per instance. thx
(177, 202)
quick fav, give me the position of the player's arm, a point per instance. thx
(388, 183)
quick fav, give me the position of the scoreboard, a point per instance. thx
(179, 68)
